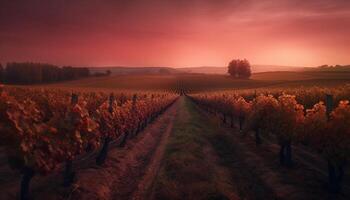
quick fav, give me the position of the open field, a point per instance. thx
(205, 82)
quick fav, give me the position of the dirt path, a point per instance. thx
(145, 184)
(207, 160)
(200, 163)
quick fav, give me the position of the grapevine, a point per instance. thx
(44, 130)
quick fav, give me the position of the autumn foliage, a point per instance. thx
(331, 137)
(284, 119)
(41, 130)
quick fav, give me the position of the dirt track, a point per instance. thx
(130, 170)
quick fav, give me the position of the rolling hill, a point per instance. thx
(122, 70)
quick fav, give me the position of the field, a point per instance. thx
(178, 136)
(206, 82)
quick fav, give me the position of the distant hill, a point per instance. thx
(223, 70)
(121, 70)
(204, 70)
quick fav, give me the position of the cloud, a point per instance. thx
(125, 27)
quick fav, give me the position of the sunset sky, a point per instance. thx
(175, 33)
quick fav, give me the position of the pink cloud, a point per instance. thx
(175, 33)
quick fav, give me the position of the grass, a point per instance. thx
(250, 185)
(185, 172)
(119, 82)
(300, 75)
(188, 171)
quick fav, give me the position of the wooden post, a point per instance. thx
(68, 173)
(134, 99)
(329, 104)
(101, 157)
(254, 96)
(74, 99)
(28, 174)
(111, 101)
(333, 172)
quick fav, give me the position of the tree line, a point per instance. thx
(337, 68)
(33, 73)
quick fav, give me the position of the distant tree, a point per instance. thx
(108, 72)
(337, 68)
(244, 70)
(51, 73)
(23, 73)
(239, 68)
(232, 68)
(323, 66)
(31, 73)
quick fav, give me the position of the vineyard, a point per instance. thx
(182, 142)
(175, 100)
(284, 118)
(43, 131)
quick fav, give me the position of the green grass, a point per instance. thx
(185, 172)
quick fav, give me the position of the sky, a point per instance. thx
(175, 33)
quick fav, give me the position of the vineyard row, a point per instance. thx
(322, 127)
(41, 131)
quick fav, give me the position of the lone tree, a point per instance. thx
(239, 68)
